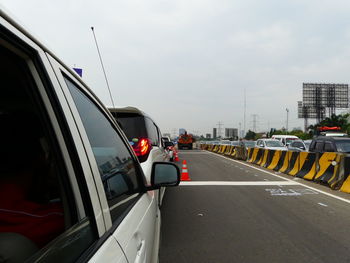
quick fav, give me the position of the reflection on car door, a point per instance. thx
(130, 211)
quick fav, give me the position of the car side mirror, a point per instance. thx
(164, 174)
(168, 144)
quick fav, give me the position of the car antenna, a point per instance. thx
(103, 68)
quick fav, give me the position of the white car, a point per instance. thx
(270, 144)
(71, 187)
(144, 136)
(285, 139)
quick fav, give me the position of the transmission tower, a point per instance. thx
(255, 121)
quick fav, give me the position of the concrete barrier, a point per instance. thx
(307, 166)
(241, 153)
(285, 158)
(331, 169)
(345, 187)
(258, 156)
(275, 159)
(325, 168)
(228, 150)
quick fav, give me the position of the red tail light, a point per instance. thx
(142, 147)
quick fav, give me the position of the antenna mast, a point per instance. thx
(103, 68)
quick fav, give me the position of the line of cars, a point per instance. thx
(330, 142)
(72, 187)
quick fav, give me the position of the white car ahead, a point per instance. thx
(270, 144)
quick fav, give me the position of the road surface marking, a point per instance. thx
(322, 204)
(245, 183)
(291, 192)
(304, 185)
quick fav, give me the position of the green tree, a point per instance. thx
(250, 135)
(340, 120)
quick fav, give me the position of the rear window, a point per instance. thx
(136, 126)
(133, 126)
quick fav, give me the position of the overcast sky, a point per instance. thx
(187, 62)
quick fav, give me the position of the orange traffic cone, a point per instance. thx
(184, 173)
(176, 157)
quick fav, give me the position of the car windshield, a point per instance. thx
(274, 144)
(343, 146)
(290, 140)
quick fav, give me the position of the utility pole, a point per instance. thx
(240, 131)
(245, 108)
(287, 120)
(255, 120)
(219, 128)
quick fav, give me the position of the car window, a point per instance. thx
(116, 166)
(274, 144)
(343, 146)
(298, 144)
(134, 126)
(312, 145)
(152, 131)
(38, 215)
(319, 146)
(328, 147)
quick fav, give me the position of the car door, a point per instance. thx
(30, 87)
(129, 211)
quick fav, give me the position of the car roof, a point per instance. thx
(128, 110)
(329, 138)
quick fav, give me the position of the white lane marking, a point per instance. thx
(241, 168)
(266, 179)
(322, 204)
(310, 187)
(256, 175)
(290, 192)
(245, 183)
(246, 171)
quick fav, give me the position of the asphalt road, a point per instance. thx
(231, 212)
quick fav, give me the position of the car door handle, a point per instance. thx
(141, 256)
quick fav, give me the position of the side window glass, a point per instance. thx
(152, 132)
(312, 145)
(115, 163)
(38, 215)
(328, 147)
(319, 146)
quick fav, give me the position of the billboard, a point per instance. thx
(326, 95)
(308, 112)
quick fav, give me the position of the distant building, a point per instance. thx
(231, 133)
(182, 131)
(208, 135)
(214, 133)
